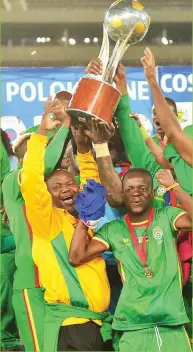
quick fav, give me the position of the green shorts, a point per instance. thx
(29, 309)
(158, 339)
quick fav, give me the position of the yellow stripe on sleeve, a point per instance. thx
(19, 177)
(178, 217)
(102, 241)
(187, 338)
(161, 199)
(122, 272)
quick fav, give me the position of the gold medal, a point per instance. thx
(148, 273)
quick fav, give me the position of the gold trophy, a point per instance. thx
(126, 22)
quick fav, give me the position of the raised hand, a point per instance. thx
(80, 138)
(98, 131)
(165, 178)
(120, 79)
(136, 118)
(95, 67)
(148, 62)
(47, 124)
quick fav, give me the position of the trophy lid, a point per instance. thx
(124, 17)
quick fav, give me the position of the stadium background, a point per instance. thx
(47, 43)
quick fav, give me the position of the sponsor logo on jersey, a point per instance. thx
(127, 241)
(120, 319)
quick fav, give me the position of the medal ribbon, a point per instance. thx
(141, 251)
(173, 199)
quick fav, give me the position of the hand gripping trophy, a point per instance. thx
(126, 22)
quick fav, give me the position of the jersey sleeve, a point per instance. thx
(34, 189)
(54, 149)
(173, 215)
(88, 168)
(103, 236)
(136, 148)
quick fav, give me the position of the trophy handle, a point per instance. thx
(110, 66)
(118, 52)
(104, 53)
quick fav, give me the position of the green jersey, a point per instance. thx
(147, 302)
(189, 131)
(26, 275)
(141, 157)
(139, 154)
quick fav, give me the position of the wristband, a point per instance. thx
(172, 186)
(101, 150)
(144, 132)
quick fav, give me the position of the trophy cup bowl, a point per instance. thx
(126, 23)
(123, 18)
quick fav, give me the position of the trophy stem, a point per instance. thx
(107, 73)
(118, 52)
(104, 53)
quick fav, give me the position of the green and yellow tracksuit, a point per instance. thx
(28, 296)
(53, 229)
(9, 331)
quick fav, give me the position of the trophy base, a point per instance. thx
(80, 116)
(93, 99)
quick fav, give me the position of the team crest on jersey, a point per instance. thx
(161, 190)
(158, 234)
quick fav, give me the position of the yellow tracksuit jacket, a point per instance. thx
(53, 228)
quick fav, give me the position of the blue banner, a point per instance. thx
(24, 91)
(176, 84)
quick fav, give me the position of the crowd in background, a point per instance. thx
(96, 230)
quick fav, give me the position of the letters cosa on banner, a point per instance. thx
(176, 83)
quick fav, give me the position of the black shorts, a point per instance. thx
(80, 337)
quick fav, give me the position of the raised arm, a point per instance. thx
(157, 152)
(165, 178)
(166, 116)
(82, 250)
(100, 133)
(33, 187)
(87, 165)
(55, 149)
(139, 154)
